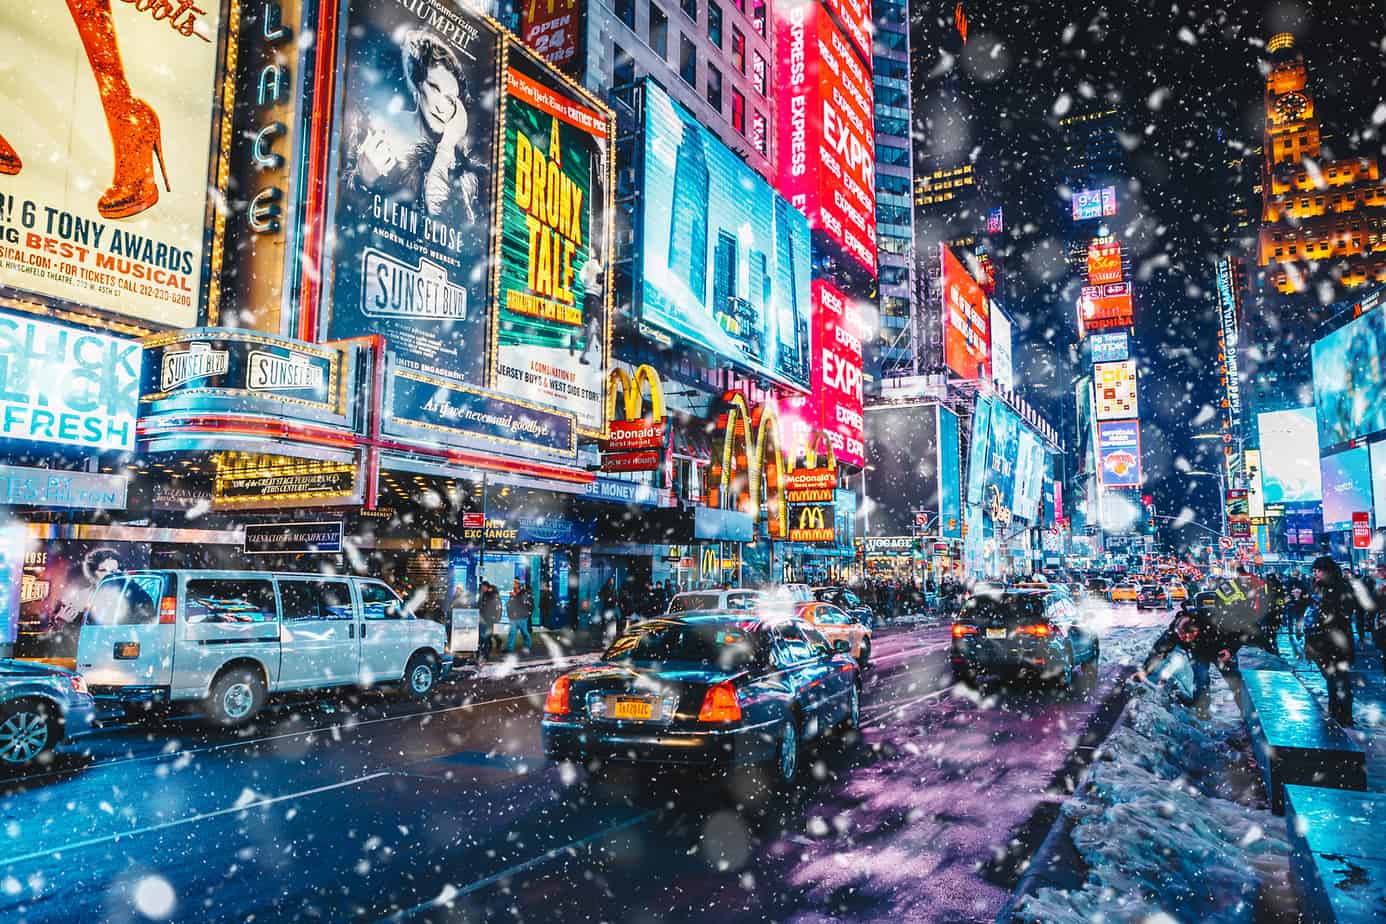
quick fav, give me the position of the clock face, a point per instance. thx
(1291, 106)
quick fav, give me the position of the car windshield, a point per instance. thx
(1010, 610)
(690, 603)
(1150, 589)
(724, 644)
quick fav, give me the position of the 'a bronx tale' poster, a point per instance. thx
(552, 325)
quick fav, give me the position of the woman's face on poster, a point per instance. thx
(440, 99)
(106, 567)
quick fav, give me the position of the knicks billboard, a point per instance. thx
(827, 129)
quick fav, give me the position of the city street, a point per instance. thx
(449, 811)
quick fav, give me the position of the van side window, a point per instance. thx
(317, 600)
(122, 601)
(238, 601)
(380, 602)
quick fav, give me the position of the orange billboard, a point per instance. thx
(966, 321)
(1104, 262)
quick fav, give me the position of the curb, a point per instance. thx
(1048, 865)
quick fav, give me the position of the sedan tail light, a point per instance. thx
(1038, 630)
(557, 701)
(720, 704)
(959, 630)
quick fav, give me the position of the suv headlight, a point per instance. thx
(79, 683)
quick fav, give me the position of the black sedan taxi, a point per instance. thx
(1023, 633)
(714, 690)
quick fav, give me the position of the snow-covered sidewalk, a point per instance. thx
(1172, 825)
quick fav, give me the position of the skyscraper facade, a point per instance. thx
(896, 347)
(689, 221)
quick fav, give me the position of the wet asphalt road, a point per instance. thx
(375, 808)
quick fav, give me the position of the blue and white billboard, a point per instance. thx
(1347, 487)
(1119, 453)
(63, 385)
(949, 476)
(977, 459)
(724, 257)
(1350, 379)
(1112, 347)
(1290, 456)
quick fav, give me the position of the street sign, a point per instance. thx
(1361, 530)
(1225, 542)
(921, 519)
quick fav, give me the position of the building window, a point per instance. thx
(625, 11)
(659, 31)
(759, 134)
(714, 24)
(688, 61)
(690, 9)
(757, 16)
(738, 111)
(758, 72)
(738, 50)
(714, 88)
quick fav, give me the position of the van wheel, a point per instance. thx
(420, 676)
(28, 731)
(236, 697)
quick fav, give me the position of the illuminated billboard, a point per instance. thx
(1029, 476)
(724, 259)
(1002, 370)
(557, 29)
(1289, 443)
(999, 493)
(855, 17)
(1119, 453)
(552, 335)
(966, 320)
(1114, 390)
(827, 127)
(110, 112)
(413, 202)
(1350, 379)
(1101, 307)
(949, 477)
(1110, 347)
(1104, 262)
(904, 474)
(1347, 487)
(977, 458)
(1378, 462)
(1094, 203)
(837, 371)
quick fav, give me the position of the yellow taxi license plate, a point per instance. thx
(996, 633)
(632, 709)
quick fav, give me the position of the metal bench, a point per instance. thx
(1338, 858)
(1294, 742)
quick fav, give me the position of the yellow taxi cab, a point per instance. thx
(1177, 591)
(834, 623)
(1124, 592)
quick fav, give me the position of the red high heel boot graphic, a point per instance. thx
(9, 160)
(134, 126)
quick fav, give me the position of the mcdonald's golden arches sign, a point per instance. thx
(635, 443)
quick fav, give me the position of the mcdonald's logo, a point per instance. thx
(815, 524)
(711, 565)
(749, 473)
(632, 437)
(812, 483)
(626, 389)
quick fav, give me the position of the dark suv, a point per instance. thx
(1022, 633)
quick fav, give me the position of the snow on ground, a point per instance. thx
(1173, 825)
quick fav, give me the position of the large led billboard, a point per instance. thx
(1102, 307)
(949, 476)
(827, 128)
(1110, 347)
(553, 239)
(413, 201)
(1004, 450)
(1119, 453)
(1002, 368)
(1350, 379)
(855, 17)
(980, 452)
(1104, 262)
(1114, 390)
(1347, 487)
(724, 259)
(1377, 453)
(111, 111)
(966, 320)
(1029, 476)
(904, 474)
(1094, 203)
(1289, 443)
(837, 371)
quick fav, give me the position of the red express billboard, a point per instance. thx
(855, 17)
(837, 371)
(966, 321)
(555, 29)
(827, 129)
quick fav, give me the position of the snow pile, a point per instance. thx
(1170, 825)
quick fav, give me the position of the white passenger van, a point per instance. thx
(229, 639)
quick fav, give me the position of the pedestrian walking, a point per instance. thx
(1328, 637)
(1273, 617)
(519, 610)
(488, 618)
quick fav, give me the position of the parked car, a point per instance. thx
(227, 640)
(1152, 597)
(1023, 634)
(836, 623)
(712, 690)
(1124, 592)
(40, 706)
(846, 600)
(699, 601)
